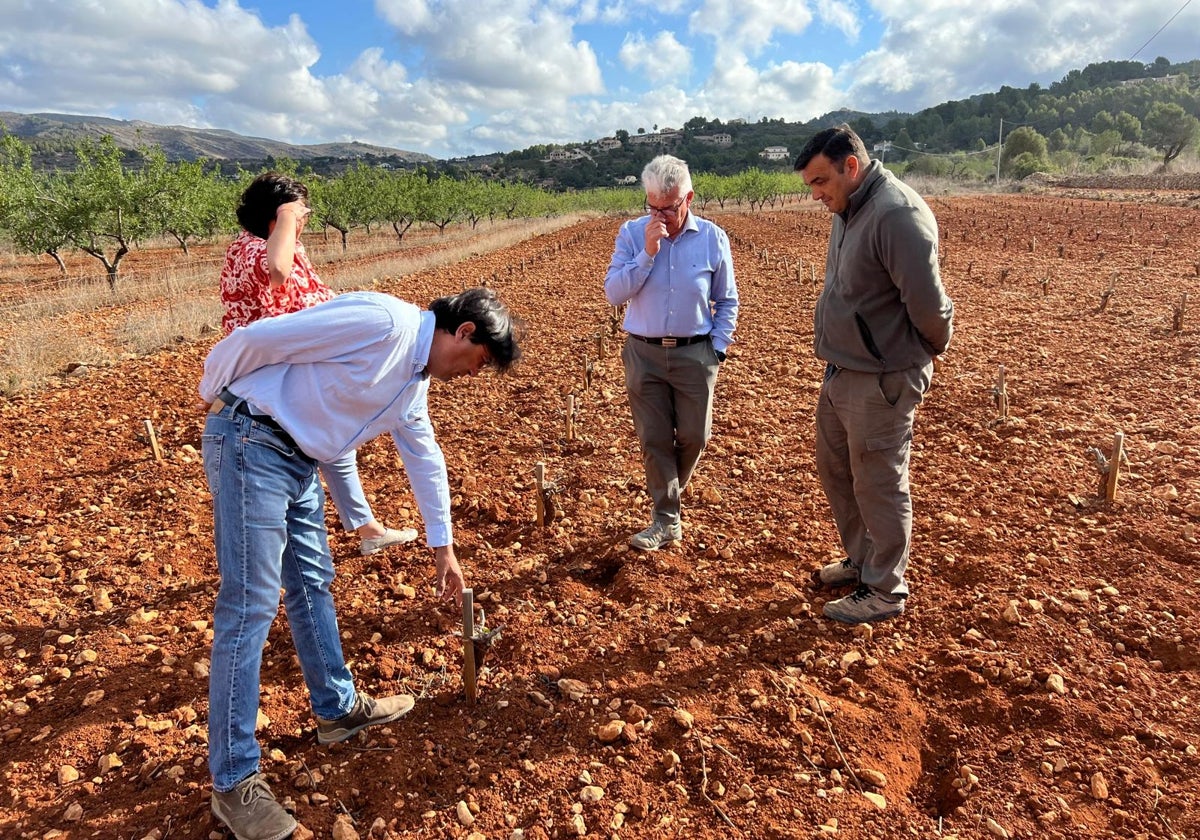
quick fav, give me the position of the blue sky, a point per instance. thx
(458, 77)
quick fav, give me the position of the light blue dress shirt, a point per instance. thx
(686, 289)
(339, 374)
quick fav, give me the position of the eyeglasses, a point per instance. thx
(667, 211)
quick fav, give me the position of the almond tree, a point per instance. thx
(441, 202)
(102, 206)
(397, 194)
(347, 201)
(27, 214)
(194, 203)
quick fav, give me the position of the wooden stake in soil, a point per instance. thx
(1180, 311)
(614, 319)
(153, 441)
(1114, 466)
(539, 475)
(468, 602)
(570, 417)
(1001, 391)
(1108, 293)
(600, 346)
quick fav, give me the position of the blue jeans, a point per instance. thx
(268, 514)
(346, 490)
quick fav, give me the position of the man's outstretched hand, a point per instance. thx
(449, 576)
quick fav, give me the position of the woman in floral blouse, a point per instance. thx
(267, 272)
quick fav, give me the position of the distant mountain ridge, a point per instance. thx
(182, 143)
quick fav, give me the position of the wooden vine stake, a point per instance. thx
(600, 346)
(469, 683)
(539, 475)
(614, 319)
(153, 441)
(1001, 392)
(1108, 293)
(570, 417)
(1114, 466)
(1180, 312)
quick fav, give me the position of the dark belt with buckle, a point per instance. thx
(240, 406)
(671, 341)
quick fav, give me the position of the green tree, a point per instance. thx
(1129, 126)
(398, 195)
(1170, 130)
(194, 202)
(102, 206)
(1106, 142)
(441, 202)
(1024, 141)
(27, 215)
(1102, 122)
(346, 202)
(1025, 164)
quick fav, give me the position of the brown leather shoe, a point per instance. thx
(367, 711)
(251, 812)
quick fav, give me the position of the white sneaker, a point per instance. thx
(392, 536)
(864, 605)
(656, 536)
(839, 573)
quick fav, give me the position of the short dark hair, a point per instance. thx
(495, 326)
(837, 144)
(266, 194)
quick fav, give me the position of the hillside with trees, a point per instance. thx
(1115, 116)
(1110, 116)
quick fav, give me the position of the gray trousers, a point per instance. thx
(864, 436)
(671, 396)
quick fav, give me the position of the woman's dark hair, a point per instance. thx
(495, 326)
(266, 194)
(837, 144)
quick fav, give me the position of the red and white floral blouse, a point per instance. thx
(246, 284)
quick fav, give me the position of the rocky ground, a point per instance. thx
(1043, 682)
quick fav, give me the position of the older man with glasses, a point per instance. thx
(675, 271)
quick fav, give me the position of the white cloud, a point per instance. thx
(791, 90)
(749, 25)
(661, 60)
(472, 76)
(936, 50)
(502, 51)
(841, 15)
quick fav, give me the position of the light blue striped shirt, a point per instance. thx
(686, 289)
(339, 374)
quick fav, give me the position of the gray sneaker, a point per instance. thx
(367, 711)
(392, 536)
(864, 605)
(657, 535)
(841, 573)
(251, 812)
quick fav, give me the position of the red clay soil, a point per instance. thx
(1043, 682)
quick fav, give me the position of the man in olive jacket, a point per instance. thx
(881, 319)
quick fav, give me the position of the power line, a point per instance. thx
(1160, 29)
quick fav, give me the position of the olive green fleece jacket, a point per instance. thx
(883, 307)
